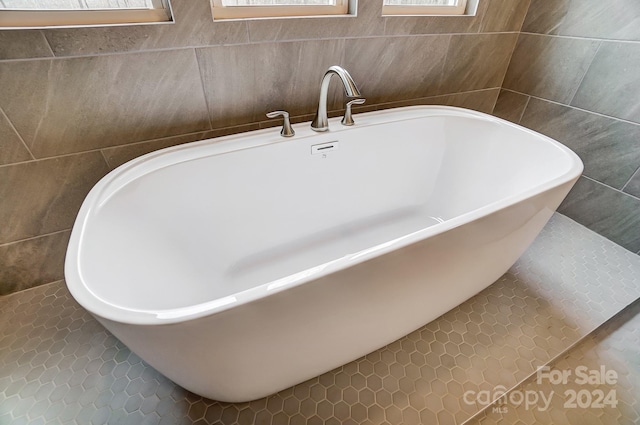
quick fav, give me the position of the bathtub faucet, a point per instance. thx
(320, 122)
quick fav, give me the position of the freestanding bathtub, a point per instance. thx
(241, 266)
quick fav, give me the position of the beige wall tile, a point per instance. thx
(71, 105)
(244, 83)
(610, 149)
(394, 75)
(119, 155)
(41, 197)
(23, 44)
(12, 149)
(608, 212)
(549, 67)
(32, 262)
(633, 185)
(612, 83)
(618, 20)
(545, 16)
(481, 100)
(194, 26)
(510, 105)
(504, 15)
(476, 62)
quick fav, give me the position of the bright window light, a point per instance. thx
(71, 13)
(237, 9)
(424, 7)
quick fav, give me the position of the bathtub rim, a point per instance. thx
(152, 161)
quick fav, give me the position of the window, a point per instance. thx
(234, 9)
(424, 7)
(68, 13)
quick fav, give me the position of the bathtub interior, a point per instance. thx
(209, 228)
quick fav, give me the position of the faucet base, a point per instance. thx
(318, 125)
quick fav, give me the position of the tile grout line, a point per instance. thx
(524, 18)
(46, 40)
(64, 155)
(637, 172)
(246, 25)
(205, 46)
(106, 161)
(2, 245)
(15, 130)
(388, 105)
(572, 106)
(593, 58)
(204, 91)
(526, 105)
(484, 16)
(612, 40)
(506, 71)
(222, 129)
(126, 145)
(611, 187)
(384, 25)
(444, 63)
(23, 291)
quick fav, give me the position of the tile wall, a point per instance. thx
(575, 76)
(76, 103)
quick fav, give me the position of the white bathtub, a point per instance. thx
(241, 266)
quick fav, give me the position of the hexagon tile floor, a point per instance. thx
(58, 365)
(609, 398)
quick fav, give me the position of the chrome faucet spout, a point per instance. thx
(321, 122)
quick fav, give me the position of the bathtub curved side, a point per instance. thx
(272, 343)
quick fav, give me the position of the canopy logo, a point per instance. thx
(583, 398)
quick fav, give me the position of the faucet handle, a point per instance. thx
(286, 131)
(348, 119)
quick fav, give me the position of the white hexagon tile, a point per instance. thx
(59, 366)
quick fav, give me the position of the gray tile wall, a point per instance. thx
(575, 76)
(75, 103)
